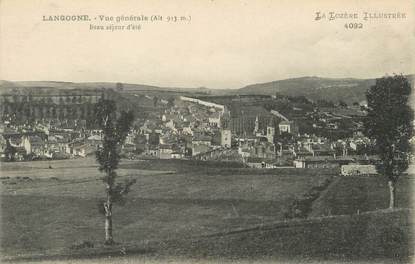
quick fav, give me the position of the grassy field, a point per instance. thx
(349, 195)
(189, 209)
(48, 210)
(375, 237)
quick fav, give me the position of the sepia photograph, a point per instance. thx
(207, 131)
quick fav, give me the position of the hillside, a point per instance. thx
(349, 195)
(6, 86)
(333, 89)
(349, 90)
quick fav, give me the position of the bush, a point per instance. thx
(301, 208)
(392, 241)
(82, 245)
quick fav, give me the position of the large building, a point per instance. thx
(289, 127)
(226, 138)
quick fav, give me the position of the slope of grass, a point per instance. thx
(370, 236)
(195, 209)
(41, 214)
(373, 237)
(348, 195)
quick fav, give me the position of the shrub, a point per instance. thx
(301, 208)
(82, 245)
(392, 241)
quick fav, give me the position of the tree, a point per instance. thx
(108, 156)
(342, 104)
(324, 103)
(389, 123)
(119, 86)
(9, 151)
(170, 102)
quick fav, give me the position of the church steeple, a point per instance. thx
(270, 131)
(256, 129)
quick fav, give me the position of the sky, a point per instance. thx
(222, 44)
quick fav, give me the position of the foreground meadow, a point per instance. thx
(49, 208)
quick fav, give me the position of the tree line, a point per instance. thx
(30, 112)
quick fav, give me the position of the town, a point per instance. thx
(258, 131)
(206, 132)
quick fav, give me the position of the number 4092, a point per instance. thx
(353, 25)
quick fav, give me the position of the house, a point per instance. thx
(177, 155)
(154, 138)
(165, 151)
(128, 147)
(366, 159)
(321, 162)
(3, 144)
(301, 152)
(20, 154)
(95, 140)
(83, 150)
(80, 148)
(284, 150)
(15, 140)
(187, 129)
(56, 144)
(248, 120)
(244, 151)
(225, 138)
(359, 144)
(153, 151)
(170, 124)
(270, 133)
(129, 139)
(34, 145)
(358, 169)
(198, 148)
(263, 149)
(289, 127)
(321, 150)
(260, 163)
(202, 139)
(215, 120)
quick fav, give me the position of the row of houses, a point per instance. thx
(53, 145)
(332, 162)
(350, 165)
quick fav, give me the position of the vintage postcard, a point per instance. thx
(206, 131)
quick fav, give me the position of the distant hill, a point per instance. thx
(349, 90)
(333, 89)
(7, 86)
(73, 85)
